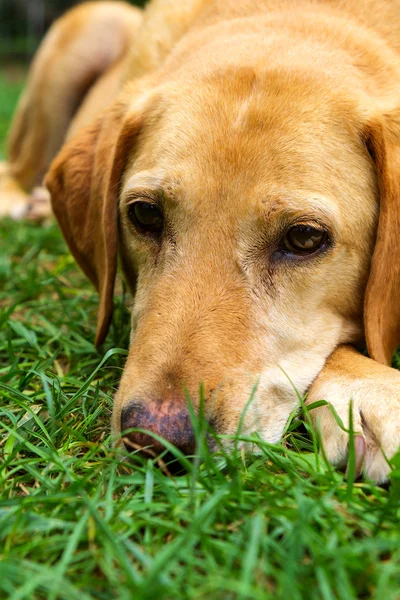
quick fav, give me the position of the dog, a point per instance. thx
(240, 159)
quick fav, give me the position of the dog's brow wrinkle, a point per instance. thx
(144, 179)
(242, 115)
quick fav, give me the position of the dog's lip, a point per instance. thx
(167, 462)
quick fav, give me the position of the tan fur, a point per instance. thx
(242, 117)
(375, 393)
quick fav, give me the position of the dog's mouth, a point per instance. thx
(166, 461)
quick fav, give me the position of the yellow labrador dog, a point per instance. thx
(242, 158)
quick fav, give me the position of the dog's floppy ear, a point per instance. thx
(84, 183)
(382, 297)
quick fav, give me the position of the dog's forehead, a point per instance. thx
(247, 143)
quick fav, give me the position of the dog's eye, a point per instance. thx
(304, 239)
(146, 217)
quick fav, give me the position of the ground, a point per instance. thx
(78, 523)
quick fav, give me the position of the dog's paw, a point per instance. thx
(39, 205)
(14, 201)
(374, 391)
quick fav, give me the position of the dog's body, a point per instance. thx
(239, 128)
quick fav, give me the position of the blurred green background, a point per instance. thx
(23, 24)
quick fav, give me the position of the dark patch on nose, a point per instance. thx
(168, 419)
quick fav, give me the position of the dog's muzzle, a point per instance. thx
(168, 419)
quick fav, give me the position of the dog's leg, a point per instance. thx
(82, 46)
(374, 390)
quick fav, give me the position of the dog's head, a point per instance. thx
(257, 222)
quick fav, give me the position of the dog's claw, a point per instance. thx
(359, 448)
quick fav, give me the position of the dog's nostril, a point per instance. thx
(136, 440)
(169, 420)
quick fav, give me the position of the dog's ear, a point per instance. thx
(84, 183)
(382, 297)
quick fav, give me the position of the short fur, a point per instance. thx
(240, 117)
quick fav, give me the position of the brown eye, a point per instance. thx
(304, 239)
(146, 217)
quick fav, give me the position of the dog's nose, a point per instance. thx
(168, 419)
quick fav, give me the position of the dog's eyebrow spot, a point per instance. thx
(243, 114)
(297, 205)
(143, 180)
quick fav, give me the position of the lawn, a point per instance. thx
(77, 522)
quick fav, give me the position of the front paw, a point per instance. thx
(39, 206)
(374, 391)
(13, 199)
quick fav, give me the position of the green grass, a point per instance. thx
(76, 521)
(10, 88)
